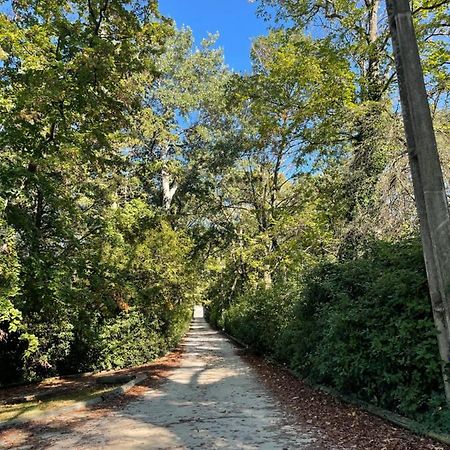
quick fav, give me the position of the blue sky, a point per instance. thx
(235, 20)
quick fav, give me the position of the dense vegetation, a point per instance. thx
(325, 272)
(93, 273)
(139, 175)
(363, 327)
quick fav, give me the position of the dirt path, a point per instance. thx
(212, 396)
(212, 401)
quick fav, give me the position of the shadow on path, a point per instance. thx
(211, 401)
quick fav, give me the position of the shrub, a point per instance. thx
(362, 326)
(122, 300)
(258, 318)
(365, 327)
(129, 339)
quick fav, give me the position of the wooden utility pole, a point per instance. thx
(429, 188)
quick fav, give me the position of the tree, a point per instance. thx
(281, 139)
(68, 93)
(180, 117)
(64, 73)
(361, 30)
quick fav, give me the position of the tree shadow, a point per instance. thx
(211, 400)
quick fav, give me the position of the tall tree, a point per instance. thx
(360, 29)
(66, 94)
(181, 115)
(282, 138)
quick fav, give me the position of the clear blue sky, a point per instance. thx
(235, 20)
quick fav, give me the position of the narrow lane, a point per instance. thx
(212, 401)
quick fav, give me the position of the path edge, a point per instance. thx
(116, 392)
(394, 418)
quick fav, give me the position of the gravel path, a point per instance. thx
(213, 400)
(210, 395)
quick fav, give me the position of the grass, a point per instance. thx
(35, 408)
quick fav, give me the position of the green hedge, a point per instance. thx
(133, 339)
(363, 327)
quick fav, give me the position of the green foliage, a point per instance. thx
(128, 339)
(363, 326)
(138, 175)
(180, 121)
(260, 317)
(92, 275)
(370, 329)
(15, 340)
(9, 274)
(135, 305)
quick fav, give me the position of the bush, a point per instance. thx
(122, 300)
(127, 340)
(362, 326)
(259, 318)
(365, 327)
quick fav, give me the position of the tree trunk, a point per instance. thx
(373, 68)
(267, 278)
(169, 188)
(367, 164)
(429, 189)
